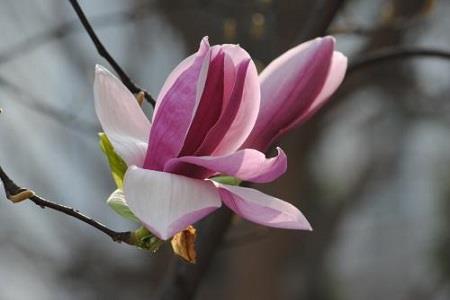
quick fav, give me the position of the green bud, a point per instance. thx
(144, 239)
(117, 202)
(230, 180)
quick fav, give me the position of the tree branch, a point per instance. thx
(105, 54)
(66, 28)
(16, 194)
(391, 53)
(322, 14)
(32, 102)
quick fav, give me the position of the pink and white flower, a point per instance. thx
(212, 117)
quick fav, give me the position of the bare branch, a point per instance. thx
(396, 53)
(62, 30)
(105, 54)
(16, 194)
(322, 14)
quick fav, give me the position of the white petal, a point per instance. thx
(167, 203)
(121, 117)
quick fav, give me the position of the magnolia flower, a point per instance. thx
(209, 107)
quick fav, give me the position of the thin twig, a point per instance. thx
(16, 193)
(66, 28)
(105, 54)
(395, 53)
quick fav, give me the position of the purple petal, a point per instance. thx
(176, 108)
(289, 85)
(180, 69)
(240, 105)
(248, 164)
(263, 209)
(121, 117)
(334, 79)
(210, 106)
(167, 203)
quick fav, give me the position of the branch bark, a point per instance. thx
(16, 194)
(391, 53)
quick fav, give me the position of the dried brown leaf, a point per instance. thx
(183, 244)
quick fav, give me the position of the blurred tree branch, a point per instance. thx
(391, 53)
(105, 54)
(36, 104)
(321, 15)
(64, 29)
(17, 194)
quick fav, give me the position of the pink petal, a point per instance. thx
(248, 164)
(240, 105)
(210, 106)
(181, 95)
(334, 79)
(289, 85)
(167, 203)
(263, 209)
(180, 69)
(121, 117)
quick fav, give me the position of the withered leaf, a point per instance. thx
(183, 244)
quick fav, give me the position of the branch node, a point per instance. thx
(123, 237)
(21, 195)
(140, 97)
(106, 55)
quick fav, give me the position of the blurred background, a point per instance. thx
(371, 171)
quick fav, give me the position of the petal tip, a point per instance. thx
(339, 55)
(280, 151)
(328, 41)
(329, 38)
(321, 42)
(163, 236)
(308, 227)
(204, 44)
(101, 72)
(99, 69)
(303, 224)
